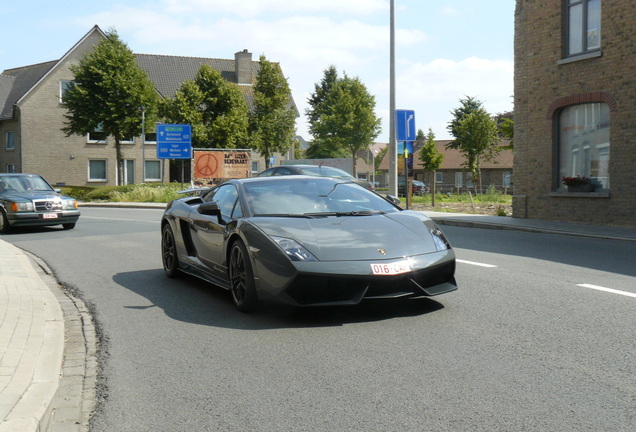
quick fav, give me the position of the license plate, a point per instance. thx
(49, 215)
(391, 268)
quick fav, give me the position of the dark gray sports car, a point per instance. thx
(29, 200)
(306, 241)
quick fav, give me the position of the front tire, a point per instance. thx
(241, 277)
(4, 223)
(68, 226)
(169, 252)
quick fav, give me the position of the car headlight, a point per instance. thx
(441, 243)
(22, 206)
(69, 204)
(294, 250)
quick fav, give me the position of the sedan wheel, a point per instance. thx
(242, 278)
(4, 223)
(169, 252)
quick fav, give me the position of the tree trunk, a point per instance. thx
(120, 165)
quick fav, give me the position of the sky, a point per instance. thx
(445, 50)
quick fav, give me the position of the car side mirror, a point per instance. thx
(393, 199)
(210, 209)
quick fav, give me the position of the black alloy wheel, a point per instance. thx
(169, 252)
(241, 278)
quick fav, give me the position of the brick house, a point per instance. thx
(575, 110)
(453, 176)
(31, 118)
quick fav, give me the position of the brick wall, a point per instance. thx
(542, 86)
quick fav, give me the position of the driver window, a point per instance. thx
(226, 197)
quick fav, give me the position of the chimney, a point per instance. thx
(243, 67)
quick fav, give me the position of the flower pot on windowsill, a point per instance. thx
(588, 187)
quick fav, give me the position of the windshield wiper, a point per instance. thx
(348, 213)
(292, 215)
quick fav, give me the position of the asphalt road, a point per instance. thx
(540, 336)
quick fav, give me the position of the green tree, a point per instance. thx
(430, 156)
(506, 124)
(214, 107)
(476, 135)
(273, 121)
(108, 93)
(341, 115)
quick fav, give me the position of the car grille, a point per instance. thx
(315, 289)
(48, 205)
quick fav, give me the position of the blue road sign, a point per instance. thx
(174, 141)
(405, 125)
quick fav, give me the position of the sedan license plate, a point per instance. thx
(49, 215)
(391, 268)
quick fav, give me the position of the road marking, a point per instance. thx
(609, 290)
(476, 263)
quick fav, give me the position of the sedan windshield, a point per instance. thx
(293, 196)
(23, 183)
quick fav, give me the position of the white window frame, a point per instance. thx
(10, 168)
(459, 179)
(91, 179)
(64, 85)
(152, 162)
(439, 177)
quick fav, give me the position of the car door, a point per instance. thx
(209, 232)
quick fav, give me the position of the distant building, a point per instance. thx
(31, 118)
(453, 176)
(575, 110)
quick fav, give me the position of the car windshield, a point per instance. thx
(291, 196)
(325, 171)
(23, 183)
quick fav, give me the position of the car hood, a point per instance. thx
(376, 237)
(32, 195)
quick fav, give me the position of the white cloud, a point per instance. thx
(306, 38)
(251, 8)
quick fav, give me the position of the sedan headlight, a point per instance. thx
(294, 250)
(69, 204)
(22, 206)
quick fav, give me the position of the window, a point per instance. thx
(584, 143)
(459, 179)
(10, 168)
(97, 170)
(151, 137)
(98, 135)
(153, 170)
(506, 181)
(226, 197)
(583, 26)
(10, 140)
(64, 88)
(439, 177)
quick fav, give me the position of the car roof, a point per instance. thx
(287, 179)
(19, 175)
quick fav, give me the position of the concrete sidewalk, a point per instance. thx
(48, 359)
(47, 343)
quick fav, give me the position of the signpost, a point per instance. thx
(174, 141)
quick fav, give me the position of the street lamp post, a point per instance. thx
(143, 144)
(392, 142)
